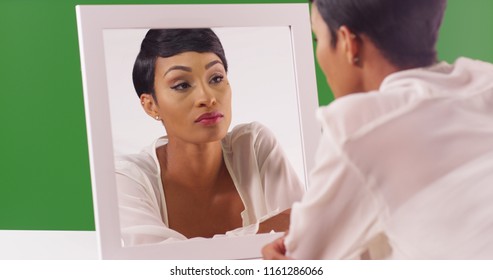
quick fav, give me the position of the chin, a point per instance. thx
(213, 134)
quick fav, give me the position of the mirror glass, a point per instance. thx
(261, 74)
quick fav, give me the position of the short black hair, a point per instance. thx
(405, 31)
(167, 43)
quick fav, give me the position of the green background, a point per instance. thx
(44, 172)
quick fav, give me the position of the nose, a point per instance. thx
(206, 97)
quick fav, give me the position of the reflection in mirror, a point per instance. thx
(271, 84)
(180, 186)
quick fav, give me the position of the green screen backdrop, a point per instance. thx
(44, 167)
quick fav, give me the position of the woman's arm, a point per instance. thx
(281, 184)
(278, 223)
(141, 221)
(339, 214)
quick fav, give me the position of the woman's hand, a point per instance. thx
(277, 223)
(275, 250)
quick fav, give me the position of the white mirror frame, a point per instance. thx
(91, 21)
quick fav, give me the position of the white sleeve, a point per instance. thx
(282, 187)
(338, 217)
(264, 171)
(140, 215)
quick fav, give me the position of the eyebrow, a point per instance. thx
(188, 69)
(212, 63)
(178, 67)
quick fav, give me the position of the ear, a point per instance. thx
(351, 44)
(150, 106)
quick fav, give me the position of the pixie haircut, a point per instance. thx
(405, 31)
(167, 43)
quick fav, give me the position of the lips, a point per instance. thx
(209, 118)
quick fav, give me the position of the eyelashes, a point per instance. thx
(216, 79)
(183, 86)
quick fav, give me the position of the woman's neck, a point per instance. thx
(191, 165)
(201, 198)
(376, 66)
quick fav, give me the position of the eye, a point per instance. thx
(181, 86)
(216, 79)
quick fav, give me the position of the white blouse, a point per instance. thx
(405, 172)
(263, 177)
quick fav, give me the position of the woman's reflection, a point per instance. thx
(200, 180)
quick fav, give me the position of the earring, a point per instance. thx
(157, 118)
(356, 60)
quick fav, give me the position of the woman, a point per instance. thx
(404, 168)
(199, 180)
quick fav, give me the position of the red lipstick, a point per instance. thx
(209, 118)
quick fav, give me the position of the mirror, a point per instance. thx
(269, 51)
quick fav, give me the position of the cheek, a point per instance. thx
(323, 58)
(333, 70)
(173, 110)
(227, 105)
(324, 61)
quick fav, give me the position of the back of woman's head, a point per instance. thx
(167, 43)
(405, 31)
